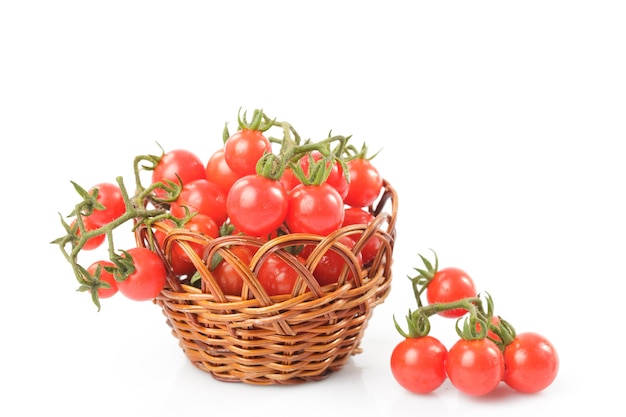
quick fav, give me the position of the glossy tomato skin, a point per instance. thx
(276, 276)
(315, 209)
(178, 165)
(418, 364)
(531, 363)
(244, 148)
(218, 171)
(450, 284)
(256, 205)
(365, 183)
(201, 196)
(357, 215)
(106, 277)
(227, 276)
(110, 196)
(475, 367)
(149, 277)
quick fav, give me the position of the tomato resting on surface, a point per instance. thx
(201, 196)
(277, 276)
(475, 367)
(531, 363)
(149, 277)
(244, 148)
(365, 183)
(418, 364)
(179, 166)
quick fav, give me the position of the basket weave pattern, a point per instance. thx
(285, 339)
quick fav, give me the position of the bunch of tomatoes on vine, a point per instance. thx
(488, 351)
(254, 183)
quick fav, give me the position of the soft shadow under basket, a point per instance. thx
(287, 339)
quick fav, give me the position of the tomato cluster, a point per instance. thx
(252, 184)
(489, 350)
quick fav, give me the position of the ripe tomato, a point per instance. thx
(331, 264)
(316, 209)
(475, 367)
(531, 363)
(356, 215)
(105, 276)
(365, 183)
(175, 164)
(450, 284)
(149, 277)
(178, 259)
(244, 148)
(110, 196)
(218, 171)
(336, 178)
(226, 274)
(201, 196)
(94, 242)
(418, 364)
(256, 205)
(289, 179)
(277, 276)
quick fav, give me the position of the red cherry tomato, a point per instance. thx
(365, 183)
(257, 206)
(336, 178)
(105, 276)
(94, 242)
(475, 367)
(315, 209)
(244, 148)
(110, 196)
(332, 263)
(178, 165)
(201, 196)
(226, 274)
(218, 171)
(178, 259)
(418, 364)
(531, 363)
(149, 277)
(356, 215)
(450, 284)
(277, 276)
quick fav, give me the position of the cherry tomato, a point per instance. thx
(336, 178)
(178, 259)
(256, 205)
(450, 284)
(227, 276)
(289, 179)
(94, 242)
(277, 276)
(531, 363)
(110, 196)
(316, 209)
(178, 165)
(356, 215)
(365, 183)
(244, 148)
(331, 264)
(105, 276)
(149, 277)
(475, 367)
(418, 364)
(201, 196)
(218, 171)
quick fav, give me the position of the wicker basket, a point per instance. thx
(257, 339)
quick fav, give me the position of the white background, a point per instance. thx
(502, 127)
